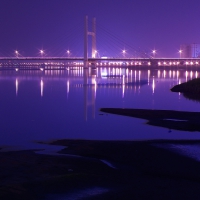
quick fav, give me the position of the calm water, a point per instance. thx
(48, 105)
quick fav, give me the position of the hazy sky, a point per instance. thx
(136, 25)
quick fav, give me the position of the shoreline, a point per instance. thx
(143, 170)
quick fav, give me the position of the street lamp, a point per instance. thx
(68, 53)
(41, 53)
(95, 53)
(17, 53)
(154, 53)
(124, 53)
(180, 52)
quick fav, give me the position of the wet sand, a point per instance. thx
(132, 170)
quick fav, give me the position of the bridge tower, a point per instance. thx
(93, 34)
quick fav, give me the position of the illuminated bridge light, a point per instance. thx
(197, 63)
(186, 63)
(191, 63)
(158, 63)
(164, 63)
(149, 63)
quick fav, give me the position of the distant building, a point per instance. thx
(190, 50)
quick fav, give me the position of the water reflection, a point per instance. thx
(67, 88)
(16, 85)
(73, 96)
(41, 87)
(117, 76)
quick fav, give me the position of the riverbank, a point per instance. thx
(110, 169)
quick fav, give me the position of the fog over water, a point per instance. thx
(64, 104)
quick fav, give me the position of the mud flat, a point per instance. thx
(192, 86)
(132, 170)
(190, 89)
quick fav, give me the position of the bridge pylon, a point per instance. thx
(93, 34)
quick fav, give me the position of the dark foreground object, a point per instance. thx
(143, 171)
(192, 86)
(171, 119)
(190, 89)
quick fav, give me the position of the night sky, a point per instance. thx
(134, 25)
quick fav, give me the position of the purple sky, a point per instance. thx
(136, 25)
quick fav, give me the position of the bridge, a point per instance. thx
(65, 62)
(93, 61)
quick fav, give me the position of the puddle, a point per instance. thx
(108, 163)
(47, 149)
(40, 148)
(189, 150)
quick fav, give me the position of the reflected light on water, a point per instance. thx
(16, 85)
(67, 88)
(41, 87)
(88, 94)
(104, 72)
(174, 73)
(177, 74)
(164, 74)
(158, 73)
(170, 74)
(139, 75)
(127, 72)
(123, 86)
(186, 76)
(149, 75)
(135, 75)
(153, 85)
(191, 74)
